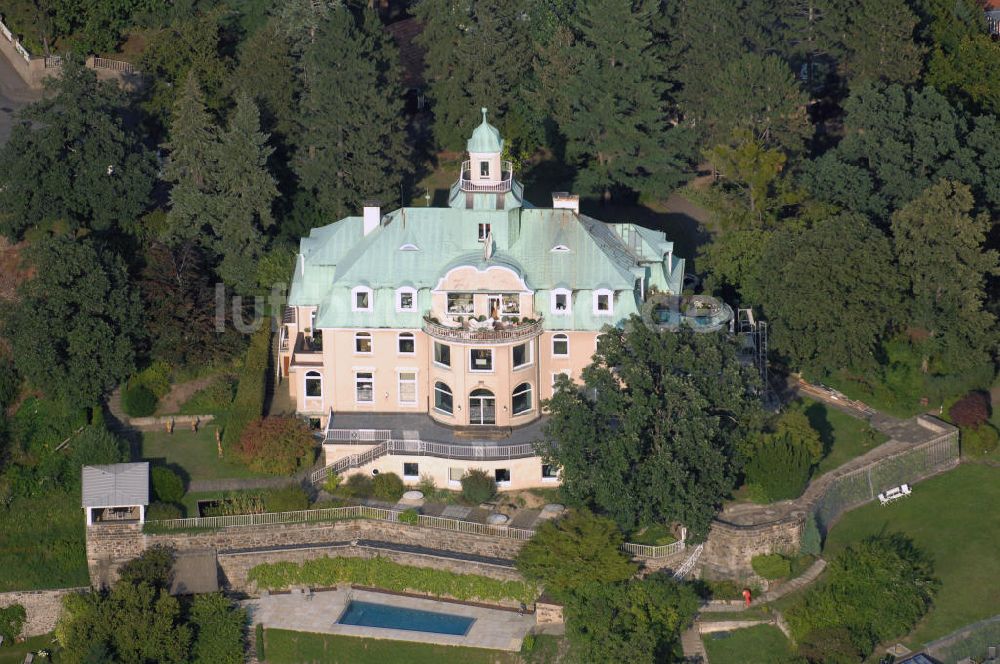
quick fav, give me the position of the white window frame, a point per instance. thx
(531, 400)
(371, 342)
(529, 356)
(457, 482)
(447, 305)
(560, 249)
(416, 386)
(407, 335)
(510, 477)
(434, 355)
(546, 478)
(399, 298)
(409, 246)
(569, 302)
(371, 381)
(410, 477)
(611, 302)
(434, 402)
(354, 298)
(560, 336)
(483, 231)
(472, 368)
(305, 384)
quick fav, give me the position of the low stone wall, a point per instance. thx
(41, 606)
(180, 421)
(729, 625)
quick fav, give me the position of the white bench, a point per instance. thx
(894, 493)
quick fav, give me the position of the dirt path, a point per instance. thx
(171, 403)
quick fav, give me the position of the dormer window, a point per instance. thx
(484, 169)
(484, 230)
(409, 246)
(560, 249)
(361, 298)
(603, 302)
(406, 299)
(561, 305)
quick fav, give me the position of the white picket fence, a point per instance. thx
(382, 514)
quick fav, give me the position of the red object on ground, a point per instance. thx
(746, 595)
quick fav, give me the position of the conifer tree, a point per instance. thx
(353, 145)
(617, 124)
(878, 39)
(478, 54)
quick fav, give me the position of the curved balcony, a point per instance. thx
(475, 186)
(483, 332)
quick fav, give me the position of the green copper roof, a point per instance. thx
(485, 138)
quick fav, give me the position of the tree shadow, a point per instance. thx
(819, 421)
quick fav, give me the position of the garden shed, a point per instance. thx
(116, 493)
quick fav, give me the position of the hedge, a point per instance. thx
(383, 573)
(249, 402)
(772, 566)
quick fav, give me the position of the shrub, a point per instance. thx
(258, 633)
(830, 645)
(811, 542)
(163, 512)
(332, 483)
(155, 567)
(478, 486)
(248, 405)
(236, 503)
(168, 487)
(286, 499)
(971, 411)
(12, 619)
(427, 486)
(778, 468)
(214, 399)
(981, 441)
(772, 566)
(358, 486)
(9, 382)
(155, 378)
(410, 516)
(276, 445)
(388, 486)
(383, 573)
(138, 401)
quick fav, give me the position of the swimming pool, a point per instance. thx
(368, 614)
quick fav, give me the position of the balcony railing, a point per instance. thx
(476, 186)
(501, 333)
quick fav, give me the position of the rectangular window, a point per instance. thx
(522, 355)
(562, 301)
(484, 169)
(484, 230)
(549, 472)
(603, 302)
(555, 377)
(363, 343)
(442, 354)
(407, 344)
(560, 345)
(455, 475)
(460, 303)
(511, 304)
(406, 300)
(480, 359)
(364, 387)
(411, 470)
(362, 300)
(503, 476)
(408, 387)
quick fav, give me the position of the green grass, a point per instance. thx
(763, 644)
(286, 647)
(195, 453)
(655, 535)
(14, 653)
(844, 437)
(42, 543)
(953, 518)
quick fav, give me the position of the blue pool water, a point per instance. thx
(394, 617)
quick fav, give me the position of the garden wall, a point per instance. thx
(41, 606)
(742, 532)
(239, 548)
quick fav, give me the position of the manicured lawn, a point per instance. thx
(285, 647)
(42, 543)
(16, 652)
(763, 644)
(954, 518)
(195, 453)
(844, 437)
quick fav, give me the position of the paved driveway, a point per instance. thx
(14, 95)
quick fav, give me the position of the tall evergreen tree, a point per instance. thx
(478, 54)
(877, 37)
(616, 123)
(354, 142)
(939, 246)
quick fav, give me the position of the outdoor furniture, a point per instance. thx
(882, 499)
(906, 489)
(894, 493)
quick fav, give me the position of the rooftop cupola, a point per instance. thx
(485, 172)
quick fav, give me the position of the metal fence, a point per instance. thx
(647, 551)
(970, 641)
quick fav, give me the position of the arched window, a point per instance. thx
(520, 401)
(314, 384)
(560, 345)
(363, 343)
(443, 400)
(406, 344)
(482, 407)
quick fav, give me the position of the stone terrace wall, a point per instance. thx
(108, 546)
(742, 532)
(41, 606)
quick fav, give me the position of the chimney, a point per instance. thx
(373, 215)
(562, 200)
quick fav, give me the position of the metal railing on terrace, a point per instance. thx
(475, 186)
(423, 448)
(381, 514)
(506, 333)
(114, 65)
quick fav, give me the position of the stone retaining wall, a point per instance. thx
(180, 421)
(41, 606)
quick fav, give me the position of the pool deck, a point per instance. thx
(300, 612)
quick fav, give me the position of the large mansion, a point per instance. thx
(426, 337)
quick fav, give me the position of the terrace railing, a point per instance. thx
(475, 186)
(515, 332)
(358, 435)
(380, 514)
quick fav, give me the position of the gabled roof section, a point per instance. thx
(115, 485)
